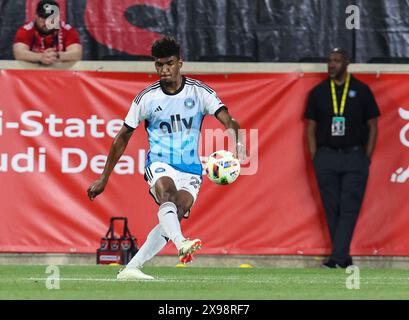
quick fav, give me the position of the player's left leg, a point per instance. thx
(166, 194)
(157, 238)
(188, 189)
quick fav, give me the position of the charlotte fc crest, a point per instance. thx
(189, 103)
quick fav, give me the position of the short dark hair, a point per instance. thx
(340, 51)
(41, 10)
(166, 47)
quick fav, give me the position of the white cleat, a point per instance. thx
(133, 274)
(187, 249)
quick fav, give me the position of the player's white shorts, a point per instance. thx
(183, 181)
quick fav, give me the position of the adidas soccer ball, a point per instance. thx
(222, 167)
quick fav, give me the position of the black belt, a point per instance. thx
(342, 150)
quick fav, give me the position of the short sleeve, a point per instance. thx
(136, 114)
(212, 103)
(72, 37)
(22, 36)
(370, 106)
(310, 112)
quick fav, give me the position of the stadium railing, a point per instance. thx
(204, 67)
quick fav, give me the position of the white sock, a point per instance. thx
(169, 221)
(154, 243)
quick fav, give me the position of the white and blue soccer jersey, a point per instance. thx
(173, 122)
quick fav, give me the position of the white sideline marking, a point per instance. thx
(72, 279)
(94, 280)
(116, 280)
(154, 280)
(368, 280)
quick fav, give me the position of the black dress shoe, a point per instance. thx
(331, 264)
(349, 262)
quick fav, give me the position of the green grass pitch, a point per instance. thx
(196, 283)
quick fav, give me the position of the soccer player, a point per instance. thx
(173, 109)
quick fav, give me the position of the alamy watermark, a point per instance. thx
(353, 21)
(52, 282)
(53, 21)
(354, 280)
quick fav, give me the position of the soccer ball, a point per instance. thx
(222, 167)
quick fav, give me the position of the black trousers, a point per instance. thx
(342, 177)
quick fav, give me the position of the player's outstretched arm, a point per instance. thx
(117, 149)
(233, 126)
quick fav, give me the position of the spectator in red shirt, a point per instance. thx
(47, 40)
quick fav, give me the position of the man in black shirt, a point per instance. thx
(341, 131)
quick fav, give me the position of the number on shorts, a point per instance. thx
(195, 182)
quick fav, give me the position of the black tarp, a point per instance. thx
(259, 30)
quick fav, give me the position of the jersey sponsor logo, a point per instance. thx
(159, 108)
(189, 103)
(176, 124)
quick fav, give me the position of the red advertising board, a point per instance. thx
(56, 128)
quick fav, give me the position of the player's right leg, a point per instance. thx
(133, 274)
(157, 238)
(154, 243)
